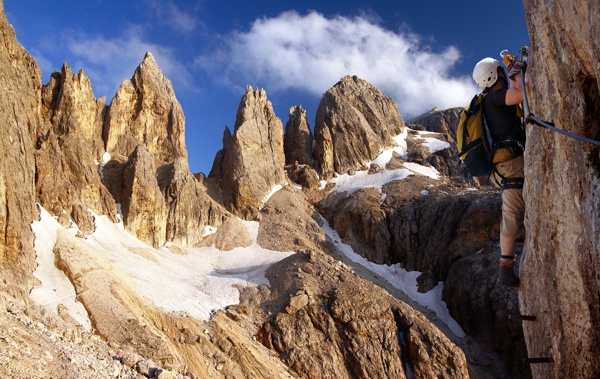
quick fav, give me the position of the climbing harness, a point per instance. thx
(512, 183)
(530, 118)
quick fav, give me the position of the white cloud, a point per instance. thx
(110, 61)
(311, 53)
(169, 14)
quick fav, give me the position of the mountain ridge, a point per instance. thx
(80, 160)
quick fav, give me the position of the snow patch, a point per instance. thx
(195, 283)
(405, 281)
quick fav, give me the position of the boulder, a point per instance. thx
(231, 234)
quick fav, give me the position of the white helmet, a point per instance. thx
(485, 72)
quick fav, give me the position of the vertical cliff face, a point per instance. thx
(145, 110)
(253, 157)
(561, 270)
(19, 120)
(69, 146)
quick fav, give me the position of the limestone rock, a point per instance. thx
(181, 344)
(324, 153)
(445, 123)
(361, 222)
(305, 176)
(216, 169)
(288, 223)
(232, 234)
(69, 148)
(298, 138)
(143, 206)
(190, 208)
(482, 308)
(561, 268)
(360, 121)
(253, 158)
(423, 232)
(60, 350)
(146, 111)
(118, 313)
(365, 332)
(19, 121)
(443, 216)
(438, 121)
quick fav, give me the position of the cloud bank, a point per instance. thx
(291, 52)
(311, 53)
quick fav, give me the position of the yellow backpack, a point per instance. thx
(473, 139)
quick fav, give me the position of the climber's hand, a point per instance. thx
(516, 68)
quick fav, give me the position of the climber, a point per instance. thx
(501, 111)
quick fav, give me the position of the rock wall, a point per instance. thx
(561, 270)
(19, 120)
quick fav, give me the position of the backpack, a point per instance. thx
(474, 140)
(476, 148)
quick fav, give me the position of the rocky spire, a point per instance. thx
(361, 122)
(298, 139)
(146, 111)
(70, 148)
(253, 157)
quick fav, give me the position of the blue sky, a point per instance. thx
(419, 53)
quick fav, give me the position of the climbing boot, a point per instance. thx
(506, 276)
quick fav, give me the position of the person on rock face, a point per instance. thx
(501, 111)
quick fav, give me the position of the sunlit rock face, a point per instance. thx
(354, 123)
(145, 110)
(559, 278)
(69, 149)
(19, 121)
(253, 157)
(53, 142)
(145, 167)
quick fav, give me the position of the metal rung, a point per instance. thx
(522, 317)
(538, 360)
